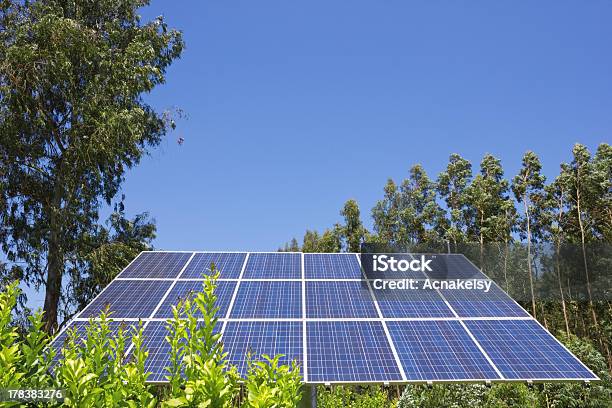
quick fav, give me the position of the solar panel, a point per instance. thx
(275, 265)
(438, 350)
(353, 331)
(339, 299)
(242, 339)
(228, 264)
(268, 299)
(348, 351)
(522, 349)
(184, 289)
(156, 265)
(332, 266)
(128, 299)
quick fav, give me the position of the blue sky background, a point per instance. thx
(295, 107)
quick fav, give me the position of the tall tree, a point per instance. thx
(602, 209)
(452, 185)
(72, 121)
(418, 209)
(582, 184)
(386, 215)
(353, 231)
(528, 189)
(486, 197)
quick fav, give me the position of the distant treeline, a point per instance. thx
(546, 242)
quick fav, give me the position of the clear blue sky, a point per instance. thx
(295, 107)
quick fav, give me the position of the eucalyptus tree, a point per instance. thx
(72, 121)
(582, 184)
(486, 198)
(452, 187)
(419, 211)
(528, 189)
(386, 215)
(353, 231)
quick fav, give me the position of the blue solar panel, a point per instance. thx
(156, 265)
(522, 349)
(184, 289)
(339, 299)
(349, 351)
(258, 338)
(128, 298)
(478, 303)
(331, 266)
(438, 350)
(274, 266)
(411, 303)
(154, 341)
(268, 299)
(228, 264)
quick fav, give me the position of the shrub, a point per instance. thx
(95, 369)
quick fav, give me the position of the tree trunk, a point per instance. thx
(584, 258)
(527, 218)
(55, 262)
(558, 267)
(506, 253)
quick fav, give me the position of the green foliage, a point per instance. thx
(72, 122)
(94, 369)
(269, 383)
(22, 360)
(570, 395)
(353, 397)
(199, 373)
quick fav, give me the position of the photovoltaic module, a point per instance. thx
(323, 311)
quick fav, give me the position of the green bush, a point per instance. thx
(95, 370)
(354, 397)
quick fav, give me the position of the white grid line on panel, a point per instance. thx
(235, 294)
(384, 324)
(304, 342)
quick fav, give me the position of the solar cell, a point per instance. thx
(478, 303)
(345, 351)
(184, 289)
(332, 266)
(128, 299)
(229, 265)
(411, 303)
(522, 349)
(339, 299)
(257, 338)
(438, 350)
(268, 299)
(156, 265)
(276, 265)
